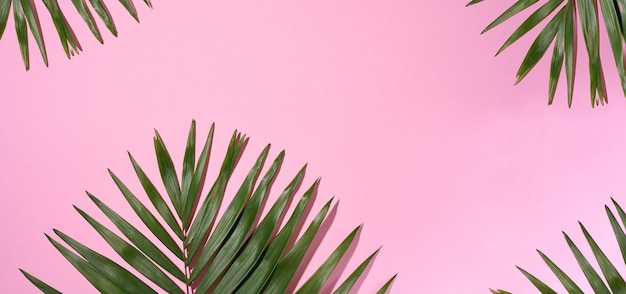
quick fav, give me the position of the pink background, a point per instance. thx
(400, 106)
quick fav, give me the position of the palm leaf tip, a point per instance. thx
(316, 282)
(45, 288)
(499, 291)
(351, 280)
(473, 2)
(385, 288)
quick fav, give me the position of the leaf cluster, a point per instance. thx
(609, 280)
(26, 18)
(562, 18)
(197, 251)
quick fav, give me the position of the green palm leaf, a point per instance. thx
(45, 288)
(543, 288)
(5, 7)
(66, 35)
(609, 280)
(563, 25)
(557, 60)
(26, 18)
(499, 291)
(315, 283)
(540, 45)
(385, 288)
(567, 282)
(181, 252)
(353, 278)
(109, 268)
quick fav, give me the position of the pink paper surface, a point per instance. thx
(399, 106)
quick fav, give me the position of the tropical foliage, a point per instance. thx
(611, 281)
(561, 30)
(197, 252)
(26, 18)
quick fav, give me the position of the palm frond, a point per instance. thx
(189, 249)
(561, 30)
(607, 280)
(26, 18)
(499, 291)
